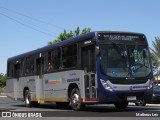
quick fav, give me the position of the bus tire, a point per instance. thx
(28, 101)
(121, 105)
(140, 103)
(75, 99)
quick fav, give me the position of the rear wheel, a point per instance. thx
(121, 105)
(28, 101)
(75, 99)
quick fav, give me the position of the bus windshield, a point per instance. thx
(120, 60)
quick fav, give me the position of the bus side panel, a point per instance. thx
(31, 83)
(22, 85)
(28, 82)
(12, 88)
(56, 84)
(39, 88)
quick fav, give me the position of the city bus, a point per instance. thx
(102, 67)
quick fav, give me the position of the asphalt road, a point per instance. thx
(91, 112)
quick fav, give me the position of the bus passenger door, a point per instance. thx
(88, 65)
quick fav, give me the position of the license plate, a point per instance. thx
(131, 98)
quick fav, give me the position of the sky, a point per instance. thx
(26, 25)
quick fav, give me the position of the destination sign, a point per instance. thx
(123, 37)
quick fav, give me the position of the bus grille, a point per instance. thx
(125, 82)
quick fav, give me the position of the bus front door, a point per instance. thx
(88, 65)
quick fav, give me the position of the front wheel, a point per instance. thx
(121, 105)
(75, 99)
(140, 102)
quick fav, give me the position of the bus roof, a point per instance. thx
(48, 47)
(65, 42)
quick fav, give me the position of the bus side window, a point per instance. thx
(17, 70)
(10, 73)
(69, 56)
(29, 65)
(49, 67)
(54, 60)
(56, 55)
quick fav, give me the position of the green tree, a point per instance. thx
(71, 34)
(2, 80)
(154, 59)
(156, 45)
(155, 52)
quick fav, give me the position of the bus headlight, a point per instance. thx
(153, 95)
(106, 85)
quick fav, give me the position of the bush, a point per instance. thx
(2, 90)
(2, 80)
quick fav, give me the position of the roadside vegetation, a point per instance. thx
(3, 78)
(155, 55)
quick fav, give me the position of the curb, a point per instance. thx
(147, 105)
(2, 96)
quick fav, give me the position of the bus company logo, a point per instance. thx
(53, 80)
(73, 80)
